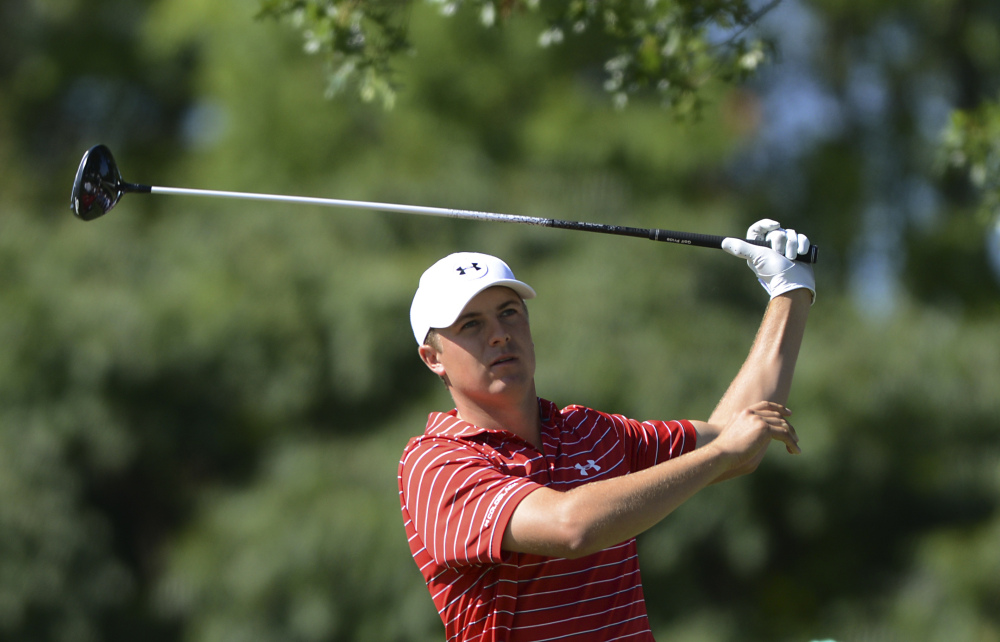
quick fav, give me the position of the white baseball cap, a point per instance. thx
(448, 286)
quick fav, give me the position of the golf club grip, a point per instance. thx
(667, 236)
(714, 241)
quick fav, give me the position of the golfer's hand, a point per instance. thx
(775, 268)
(745, 439)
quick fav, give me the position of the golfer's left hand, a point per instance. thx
(775, 268)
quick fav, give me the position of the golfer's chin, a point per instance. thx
(510, 382)
(504, 382)
(513, 371)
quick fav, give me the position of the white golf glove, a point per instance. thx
(774, 267)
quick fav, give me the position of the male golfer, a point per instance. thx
(521, 516)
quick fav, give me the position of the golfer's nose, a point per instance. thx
(498, 332)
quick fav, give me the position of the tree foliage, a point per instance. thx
(972, 145)
(671, 49)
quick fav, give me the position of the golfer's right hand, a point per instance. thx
(774, 267)
(745, 439)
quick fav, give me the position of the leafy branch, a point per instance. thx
(972, 145)
(668, 48)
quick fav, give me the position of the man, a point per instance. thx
(521, 516)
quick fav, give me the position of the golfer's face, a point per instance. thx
(488, 350)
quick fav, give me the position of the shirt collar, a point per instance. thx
(447, 424)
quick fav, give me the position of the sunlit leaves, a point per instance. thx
(972, 145)
(359, 38)
(666, 49)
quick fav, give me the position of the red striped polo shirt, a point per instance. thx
(459, 485)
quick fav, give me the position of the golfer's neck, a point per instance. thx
(518, 416)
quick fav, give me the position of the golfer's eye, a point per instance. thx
(469, 324)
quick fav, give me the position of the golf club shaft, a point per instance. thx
(668, 236)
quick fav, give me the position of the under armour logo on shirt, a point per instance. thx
(591, 465)
(462, 270)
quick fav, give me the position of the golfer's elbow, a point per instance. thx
(572, 541)
(583, 546)
(556, 524)
(577, 533)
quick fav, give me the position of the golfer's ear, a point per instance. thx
(431, 359)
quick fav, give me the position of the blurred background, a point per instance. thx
(203, 403)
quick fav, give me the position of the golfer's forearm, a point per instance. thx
(766, 374)
(594, 516)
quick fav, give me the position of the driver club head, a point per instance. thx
(98, 185)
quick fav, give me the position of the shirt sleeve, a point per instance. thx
(648, 443)
(458, 502)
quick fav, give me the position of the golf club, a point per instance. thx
(99, 186)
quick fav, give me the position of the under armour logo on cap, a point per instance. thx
(473, 270)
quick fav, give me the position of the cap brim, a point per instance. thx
(447, 315)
